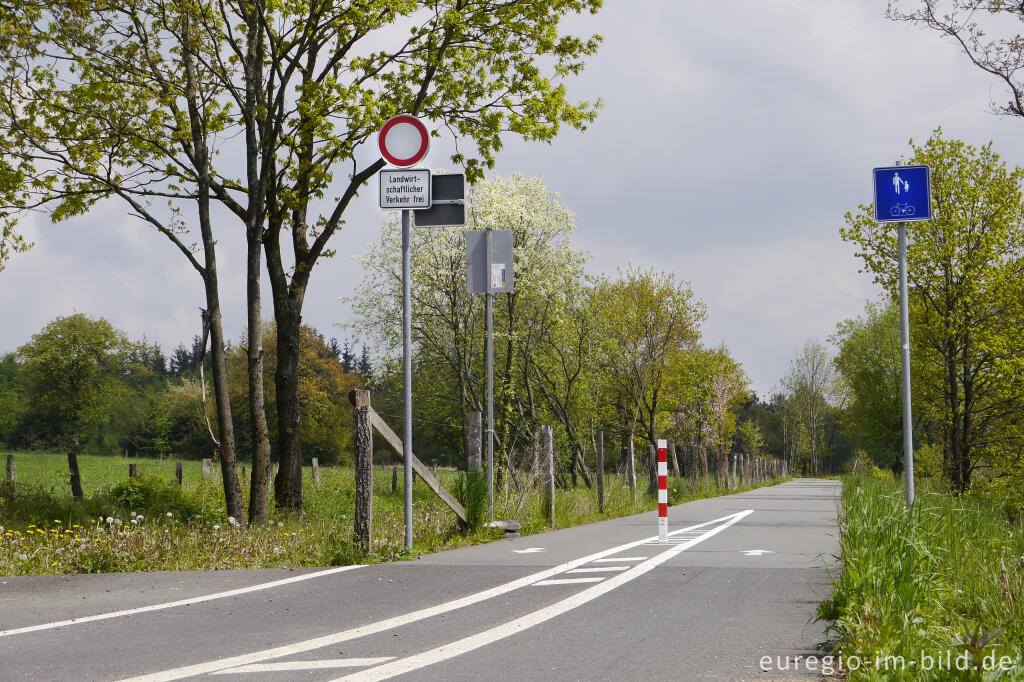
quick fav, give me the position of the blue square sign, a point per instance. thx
(903, 193)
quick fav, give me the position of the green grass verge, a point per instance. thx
(933, 595)
(151, 524)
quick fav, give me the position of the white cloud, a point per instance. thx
(734, 136)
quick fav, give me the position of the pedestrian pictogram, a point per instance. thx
(902, 194)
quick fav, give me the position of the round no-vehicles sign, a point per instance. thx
(403, 141)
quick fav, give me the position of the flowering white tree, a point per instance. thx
(448, 322)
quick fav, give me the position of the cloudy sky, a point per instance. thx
(734, 136)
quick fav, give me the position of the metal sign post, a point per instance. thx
(404, 141)
(489, 272)
(489, 301)
(908, 416)
(407, 372)
(902, 194)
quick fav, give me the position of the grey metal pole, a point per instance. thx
(908, 424)
(489, 301)
(407, 369)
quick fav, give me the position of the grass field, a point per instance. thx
(945, 583)
(151, 524)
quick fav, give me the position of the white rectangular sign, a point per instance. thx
(405, 188)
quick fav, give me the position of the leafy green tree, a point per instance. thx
(648, 322)
(293, 89)
(708, 387)
(323, 392)
(749, 437)
(965, 270)
(564, 366)
(11, 398)
(72, 368)
(180, 419)
(869, 362)
(811, 388)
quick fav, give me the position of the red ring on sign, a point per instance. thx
(424, 140)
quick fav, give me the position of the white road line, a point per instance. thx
(620, 558)
(598, 569)
(395, 621)
(181, 602)
(320, 664)
(513, 627)
(568, 581)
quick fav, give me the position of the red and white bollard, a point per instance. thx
(662, 491)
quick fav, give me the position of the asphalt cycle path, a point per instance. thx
(737, 583)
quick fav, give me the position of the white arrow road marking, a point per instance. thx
(319, 664)
(516, 626)
(181, 602)
(757, 552)
(413, 616)
(528, 550)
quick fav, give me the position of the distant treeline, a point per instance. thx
(142, 402)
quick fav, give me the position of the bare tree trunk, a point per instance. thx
(362, 528)
(259, 168)
(288, 483)
(226, 431)
(76, 476)
(259, 487)
(212, 316)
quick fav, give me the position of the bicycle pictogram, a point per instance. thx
(902, 209)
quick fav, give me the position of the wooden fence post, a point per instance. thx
(362, 526)
(473, 457)
(704, 465)
(631, 467)
(207, 468)
(178, 473)
(394, 479)
(315, 464)
(10, 470)
(599, 456)
(652, 470)
(693, 469)
(549, 455)
(734, 483)
(133, 470)
(675, 461)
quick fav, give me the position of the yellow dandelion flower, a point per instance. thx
(56, 521)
